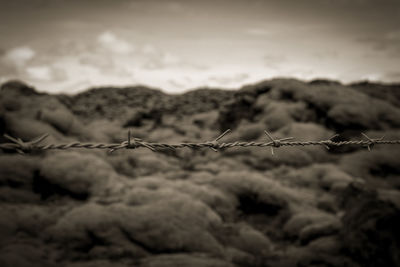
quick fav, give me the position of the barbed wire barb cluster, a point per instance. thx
(132, 143)
(276, 142)
(20, 146)
(214, 143)
(371, 141)
(330, 140)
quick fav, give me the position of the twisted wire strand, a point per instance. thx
(133, 143)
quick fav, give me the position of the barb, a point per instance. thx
(214, 144)
(330, 141)
(132, 143)
(21, 146)
(371, 142)
(276, 142)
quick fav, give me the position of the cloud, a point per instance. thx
(108, 59)
(40, 73)
(19, 56)
(229, 80)
(160, 8)
(274, 61)
(393, 35)
(388, 42)
(175, 7)
(326, 54)
(117, 45)
(158, 59)
(391, 76)
(72, 66)
(154, 58)
(13, 61)
(149, 49)
(176, 84)
(258, 32)
(46, 73)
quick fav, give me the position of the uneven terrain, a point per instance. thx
(303, 206)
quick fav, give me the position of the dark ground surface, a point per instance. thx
(305, 206)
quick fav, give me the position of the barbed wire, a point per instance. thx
(21, 146)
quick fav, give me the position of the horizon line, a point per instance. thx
(110, 86)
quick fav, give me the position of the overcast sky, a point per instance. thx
(70, 45)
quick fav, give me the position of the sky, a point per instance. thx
(67, 46)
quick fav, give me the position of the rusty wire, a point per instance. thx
(21, 146)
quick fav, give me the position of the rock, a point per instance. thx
(389, 195)
(343, 108)
(205, 120)
(233, 111)
(262, 159)
(245, 240)
(388, 92)
(157, 227)
(103, 130)
(248, 132)
(240, 258)
(150, 189)
(305, 131)
(255, 193)
(317, 230)
(335, 176)
(370, 234)
(319, 176)
(201, 100)
(18, 87)
(252, 241)
(97, 263)
(17, 171)
(25, 255)
(139, 116)
(327, 203)
(327, 244)
(32, 219)
(29, 129)
(339, 187)
(63, 120)
(8, 226)
(74, 174)
(308, 256)
(9, 103)
(324, 82)
(382, 167)
(382, 116)
(277, 114)
(195, 260)
(295, 225)
(16, 195)
(216, 199)
(141, 163)
(93, 230)
(111, 103)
